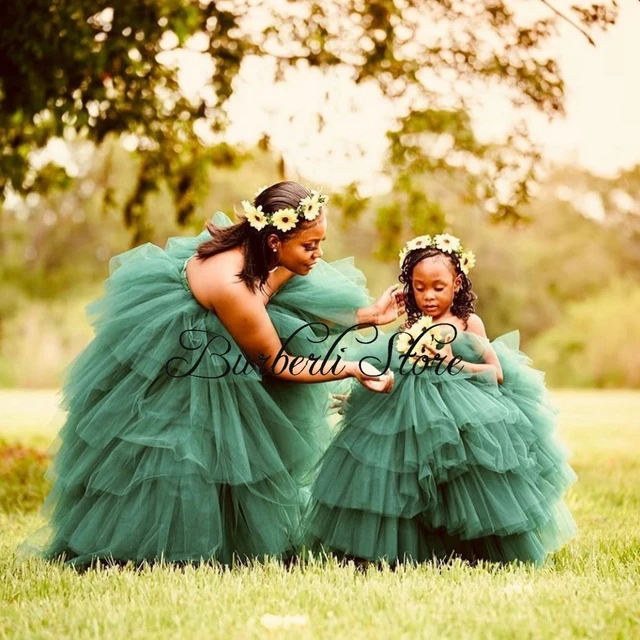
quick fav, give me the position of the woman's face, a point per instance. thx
(434, 285)
(301, 252)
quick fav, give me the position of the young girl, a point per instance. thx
(459, 460)
(172, 448)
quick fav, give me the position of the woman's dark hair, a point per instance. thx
(463, 300)
(259, 258)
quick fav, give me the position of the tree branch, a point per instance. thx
(570, 21)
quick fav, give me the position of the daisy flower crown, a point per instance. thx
(446, 243)
(284, 219)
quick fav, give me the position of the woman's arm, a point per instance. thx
(246, 319)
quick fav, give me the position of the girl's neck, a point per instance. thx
(449, 318)
(444, 317)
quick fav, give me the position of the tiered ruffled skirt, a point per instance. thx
(447, 465)
(168, 454)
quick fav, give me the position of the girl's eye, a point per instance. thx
(441, 289)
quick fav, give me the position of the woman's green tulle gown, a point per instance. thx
(163, 457)
(446, 465)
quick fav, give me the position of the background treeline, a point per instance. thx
(567, 275)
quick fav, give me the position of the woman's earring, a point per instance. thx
(274, 268)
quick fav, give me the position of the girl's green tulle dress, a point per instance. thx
(162, 456)
(446, 465)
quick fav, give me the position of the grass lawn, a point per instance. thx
(591, 589)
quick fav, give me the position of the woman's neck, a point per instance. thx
(277, 279)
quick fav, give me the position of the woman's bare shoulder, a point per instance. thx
(215, 278)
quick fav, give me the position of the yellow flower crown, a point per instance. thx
(284, 219)
(446, 243)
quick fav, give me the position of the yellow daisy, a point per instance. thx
(419, 243)
(447, 243)
(256, 217)
(285, 219)
(310, 206)
(404, 343)
(420, 352)
(424, 323)
(467, 262)
(435, 336)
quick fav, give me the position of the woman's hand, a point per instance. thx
(387, 308)
(371, 378)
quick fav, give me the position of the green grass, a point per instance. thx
(588, 590)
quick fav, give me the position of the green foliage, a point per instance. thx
(89, 69)
(43, 338)
(56, 251)
(526, 278)
(597, 343)
(23, 486)
(526, 275)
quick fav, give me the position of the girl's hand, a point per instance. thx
(389, 306)
(368, 376)
(339, 402)
(444, 353)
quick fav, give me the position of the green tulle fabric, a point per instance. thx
(446, 465)
(153, 464)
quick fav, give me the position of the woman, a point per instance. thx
(173, 448)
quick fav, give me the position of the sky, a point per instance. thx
(602, 127)
(600, 132)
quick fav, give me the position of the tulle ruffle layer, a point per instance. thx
(171, 448)
(446, 465)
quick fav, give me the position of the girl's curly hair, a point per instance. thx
(463, 301)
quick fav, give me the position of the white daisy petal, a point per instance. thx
(404, 343)
(467, 262)
(447, 243)
(259, 191)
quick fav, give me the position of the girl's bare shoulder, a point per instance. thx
(475, 325)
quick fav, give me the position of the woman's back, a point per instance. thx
(208, 277)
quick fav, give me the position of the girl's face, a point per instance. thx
(434, 285)
(301, 252)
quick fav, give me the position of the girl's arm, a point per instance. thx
(246, 319)
(475, 325)
(491, 362)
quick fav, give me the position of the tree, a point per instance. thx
(90, 69)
